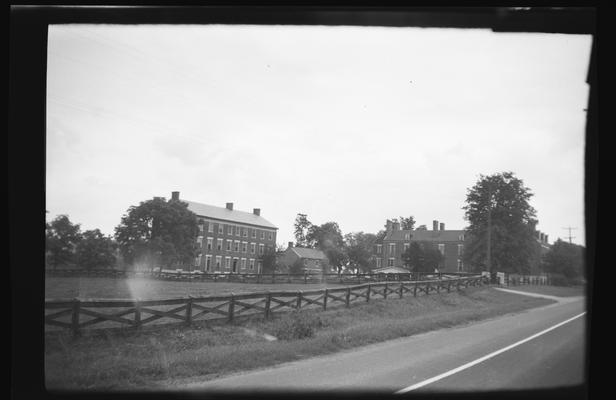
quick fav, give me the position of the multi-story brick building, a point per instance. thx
(230, 241)
(388, 252)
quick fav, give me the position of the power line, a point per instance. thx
(570, 229)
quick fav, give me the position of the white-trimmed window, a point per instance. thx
(390, 262)
(218, 262)
(244, 247)
(251, 264)
(208, 263)
(254, 233)
(253, 248)
(406, 246)
(237, 246)
(221, 229)
(379, 248)
(441, 248)
(270, 236)
(210, 227)
(200, 241)
(392, 248)
(245, 232)
(261, 248)
(243, 264)
(238, 231)
(259, 267)
(219, 244)
(461, 237)
(229, 229)
(407, 236)
(227, 263)
(262, 234)
(198, 260)
(460, 249)
(378, 263)
(229, 244)
(460, 265)
(210, 240)
(200, 225)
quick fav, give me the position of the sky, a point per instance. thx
(355, 125)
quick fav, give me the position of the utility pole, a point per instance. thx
(570, 229)
(489, 255)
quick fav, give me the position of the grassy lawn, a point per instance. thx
(146, 360)
(146, 289)
(559, 291)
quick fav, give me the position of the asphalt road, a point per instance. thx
(498, 354)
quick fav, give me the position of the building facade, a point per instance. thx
(313, 260)
(230, 241)
(388, 252)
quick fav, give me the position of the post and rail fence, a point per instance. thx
(79, 314)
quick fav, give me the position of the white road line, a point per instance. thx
(482, 359)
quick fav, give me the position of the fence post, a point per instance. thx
(138, 313)
(231, 307)
(438, 286)
(75, 317)
(428, 288)
(299, 299)
(325, 301)
(189, 311)
(340, 277)
(348, 296)
(305, 277)
(385, 290)
(415, 289)
(268, 301)
(368, 294)
(448, 286)
(401, 287)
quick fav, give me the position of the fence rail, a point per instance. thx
(77, 314)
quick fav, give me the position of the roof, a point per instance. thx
(222, 213)
(390, 270)
(427, 236)
(303, 252)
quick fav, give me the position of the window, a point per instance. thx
(270, 236)
(244, 247)
(461, 237)
(460, 265)
(219, 244)
(208, 263)
(254, 233)
(243, 265)
(209, 243)
(200, 226)
(227, 263)
(460, 249)
(221, 229)
(392, 248)
(259, 266)
(262, 234)
(229, 229)
(261, 248)
(305, 262)
(390, 262)
(200, 242)
(237, 246)
(251, 264)
(245, 232)
(378, 263)
(237, 231)
(407, 236)
(406, 246)
(218, 262)
(379, 248)
(441, 248)
(229, 245)
(253, 247)
(210, 227)
(198, 260)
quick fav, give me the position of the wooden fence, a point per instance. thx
(78, 314)
(517, 280)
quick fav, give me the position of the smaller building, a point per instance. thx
(313, 261)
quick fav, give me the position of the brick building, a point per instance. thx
(313, 260)
(388, 252)
(230, 241)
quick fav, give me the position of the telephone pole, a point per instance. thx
(570, 229)
(489, 250)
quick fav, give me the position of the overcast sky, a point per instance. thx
(347, 124)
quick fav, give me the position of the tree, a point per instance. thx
(61, 239)
(297, 267)
(565, 259)
(501, 220)
(302, 228)
(269, 261)
(359, 250)
(421, 257)
(328, 238)
(422, 228)
(95, 250)
(158, 232)
(407, 223)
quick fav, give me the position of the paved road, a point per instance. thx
(553, 358)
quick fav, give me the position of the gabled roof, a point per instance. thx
(303, 252)
(427, 236)
(222, 213)
(391, 270)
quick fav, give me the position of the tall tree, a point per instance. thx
(61, 239)
(359, 250)
(566, 259)
(422, 257)
(501, 224)
(95, 250)
(158, 231)
(407, 223)
(268, 260)
(328, 238)
(422, 228)
(301, 229)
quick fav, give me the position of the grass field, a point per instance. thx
(149, 289)
(147, 360)
(559, 291)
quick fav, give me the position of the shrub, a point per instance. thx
(297, 325)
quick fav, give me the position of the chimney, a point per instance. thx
(256, 211)
(542, 239)
(389, 226)
(290, 244)
(230, 206)
(175, 195)
(546, 239)
(396, 226)
(442, 226)
(435, 225)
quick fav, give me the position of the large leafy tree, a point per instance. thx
(500, 216)
(158, 232)
(61, 239)
(407, 223)
(421, 257)
(268, 260)
(328, 238)
(359, 250)
(566, 259)
(301, 229)
(95, 250)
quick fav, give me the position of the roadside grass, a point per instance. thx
(163, 358)
(146, 288)
(559, 291)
